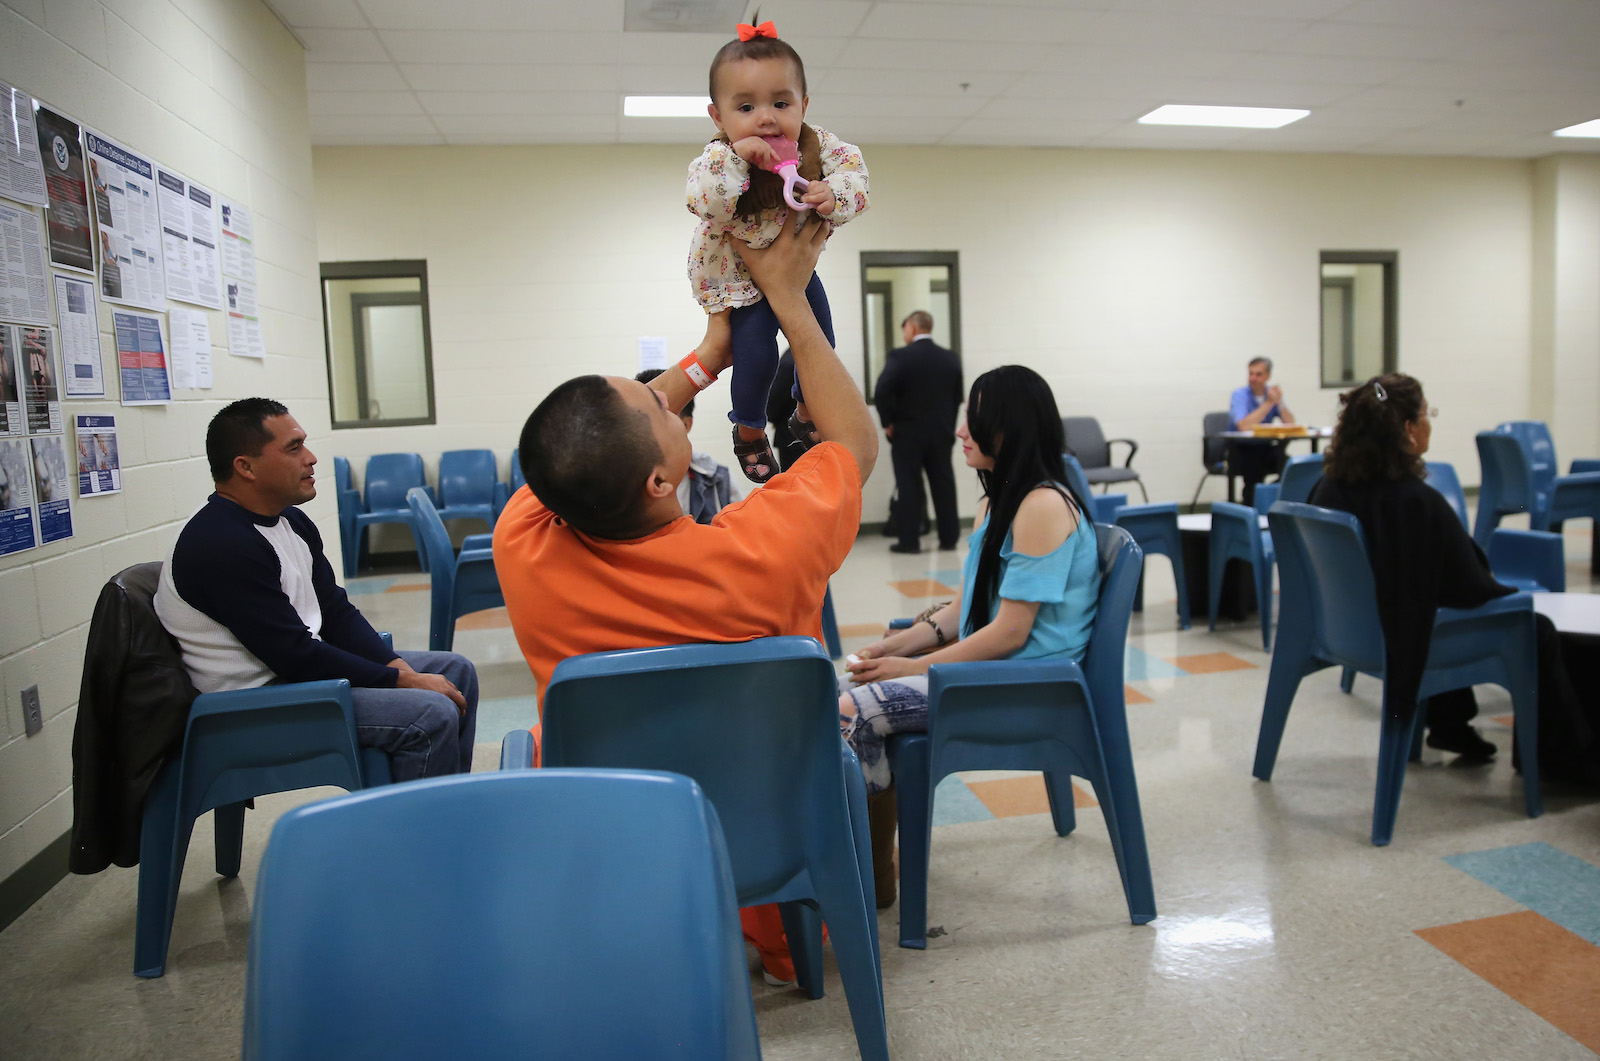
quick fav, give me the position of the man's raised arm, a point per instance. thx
(782, 271)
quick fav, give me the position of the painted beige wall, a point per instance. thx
(1138, 282)
(216, 90)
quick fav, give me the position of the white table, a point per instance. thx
(1572, 613)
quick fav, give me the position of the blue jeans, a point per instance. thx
(424, 733)
(882, 710)
(755, 354)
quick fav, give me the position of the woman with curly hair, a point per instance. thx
(1423, 559)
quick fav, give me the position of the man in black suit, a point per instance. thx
(918, 395)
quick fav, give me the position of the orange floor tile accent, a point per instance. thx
(488, 619)
(1211, 663)
(1504, 720)
(410, 587)
(1134, 696)
(862, 629)
(1009, 797)
(923, 587)
(1552, 971)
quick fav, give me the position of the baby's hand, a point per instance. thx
(820, 197)
(755, 151)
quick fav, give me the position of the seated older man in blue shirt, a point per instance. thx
(1256, 403)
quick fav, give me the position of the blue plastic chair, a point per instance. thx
(1530, 560)
(497, 915)
(516, 480)
(1054, 715)
(469, 487)
(349, 499)
(389, 477)
(757, 725)
(1153, 526)
(830, 627)
(1520, 476)
(1330, 618)
(1299, 476)
(1266, 497)
(516, 750)
(1236, 534)
(461, 584)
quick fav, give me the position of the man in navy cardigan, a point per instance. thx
(251, 599)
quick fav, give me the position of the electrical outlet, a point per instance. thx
(32, 719)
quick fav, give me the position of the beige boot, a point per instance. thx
(881, 817)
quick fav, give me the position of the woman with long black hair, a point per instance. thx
(1029, 586)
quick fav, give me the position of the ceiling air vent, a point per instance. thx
(683, 16)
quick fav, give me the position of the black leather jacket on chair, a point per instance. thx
(132, 708)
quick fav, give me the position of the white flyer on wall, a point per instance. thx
(41, 379)
(99, 467)
(123, 184)
(189, 240)
(190, 330)
(238, 235)
(21, 168)
(11, 422)
(652, 353)
(83, 370)
(53, 481)
(16, 497)
(24, 283)
(244, 321)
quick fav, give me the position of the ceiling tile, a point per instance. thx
(1473, 14)
(1368, 41)
(821, 18)
(1243, 8)
(353, 77)
(508, 77)
(531, 104)
(532, 128)
(355, 103)
(341, 45)
(1041, 114)
(478, 46)
(840, 109)
(870, 83)
(493, 15)
(1139, 29)
(958, 58)
(1354, 71)
(1241, 92)
(318, 14)
(976, 22)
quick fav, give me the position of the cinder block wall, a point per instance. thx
(216, 90)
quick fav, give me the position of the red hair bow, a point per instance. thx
(766, 29)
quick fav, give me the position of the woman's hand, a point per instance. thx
(885, 669)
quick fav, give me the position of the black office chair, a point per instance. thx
(1089, 444)
(1213, 453)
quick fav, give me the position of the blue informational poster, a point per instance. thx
(141, 359)
(99, 465)
(16, 497)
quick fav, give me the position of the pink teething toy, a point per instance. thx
(785, 165)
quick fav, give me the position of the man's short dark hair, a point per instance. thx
(920, 319)
(651, 373)
(1254, 361)
(585, 453)
(239, 430)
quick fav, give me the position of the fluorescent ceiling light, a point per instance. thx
(1581, 129)
(1235, 117)
(665, 106)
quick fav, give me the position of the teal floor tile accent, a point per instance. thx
(955, 803)
(1139, 665)
(1545, 879)
(358, 586)
(500, 716)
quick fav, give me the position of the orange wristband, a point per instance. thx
(696, 372)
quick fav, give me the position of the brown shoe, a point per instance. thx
(881, 818)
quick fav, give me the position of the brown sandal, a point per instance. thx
(804, 431)
(753, 456)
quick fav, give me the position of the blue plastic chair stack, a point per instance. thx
(1330, 618)
(516, 480)
(469, 487)
(1299, 476)
(757, 726)
(236, 746)
(1526, 559)
(1519, 475)
(546, 913)
(389, 477)
(1153, 526)
(1054, 715)
(349, 499)
(461, 584)
(1236, 534)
